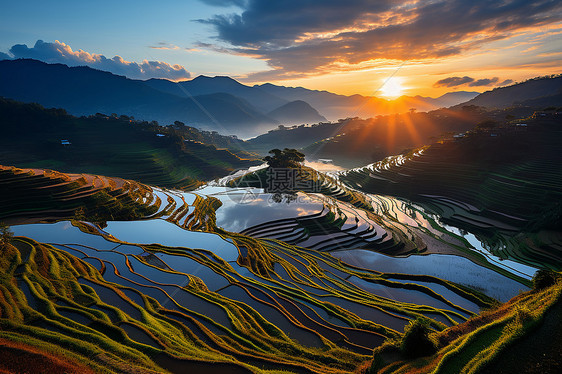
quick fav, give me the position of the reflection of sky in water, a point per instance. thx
(453, 268)
(517, 268)
(240, 211)
(168, 234)
(397, 209)
(62, 233)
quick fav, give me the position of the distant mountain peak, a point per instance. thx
(216, 78)
(295, 113)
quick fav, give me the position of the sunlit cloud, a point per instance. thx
(301, 39)
(59, 52)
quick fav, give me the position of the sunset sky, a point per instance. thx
(347, 47)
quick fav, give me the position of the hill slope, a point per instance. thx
(531, 90)
(32, 137)
(503, 184)
(521, 336)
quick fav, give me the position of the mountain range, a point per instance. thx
(335, 106)
(212, 103)
(545, 91)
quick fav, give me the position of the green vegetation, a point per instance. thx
(486, 342)
(287, 158)
(5, 235)
(280, 308)
(416, 341)
(545, 278)
(114, 146)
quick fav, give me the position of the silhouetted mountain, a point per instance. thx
(296, 112)
(203, 85)
(329, 104)
(450, 98)
(293, 137)
(518, 94)
(83, 91)
(335, 106)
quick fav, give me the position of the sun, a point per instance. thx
(392, 88)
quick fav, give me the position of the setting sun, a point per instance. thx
(392, 88)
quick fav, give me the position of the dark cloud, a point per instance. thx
(453, 81)
(306, 37)
(470, 82)
(58, 52)
(280, 23)
(484, 82)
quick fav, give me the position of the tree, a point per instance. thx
(5, 235)
(287, 158)
(544, 278)
(416, 341)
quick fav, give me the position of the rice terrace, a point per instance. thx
(188, 206)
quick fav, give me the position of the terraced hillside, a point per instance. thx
(503, 183)
(34, 137)
(38, 194)
(184, 289)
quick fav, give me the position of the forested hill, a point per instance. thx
(174, 156)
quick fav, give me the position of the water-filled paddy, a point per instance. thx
(453, 268)
(62, 233)
(240, 212)
(162, 232)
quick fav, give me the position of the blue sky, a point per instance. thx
(343, 46)
(124, 28)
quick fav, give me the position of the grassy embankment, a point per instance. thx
(522, 335)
